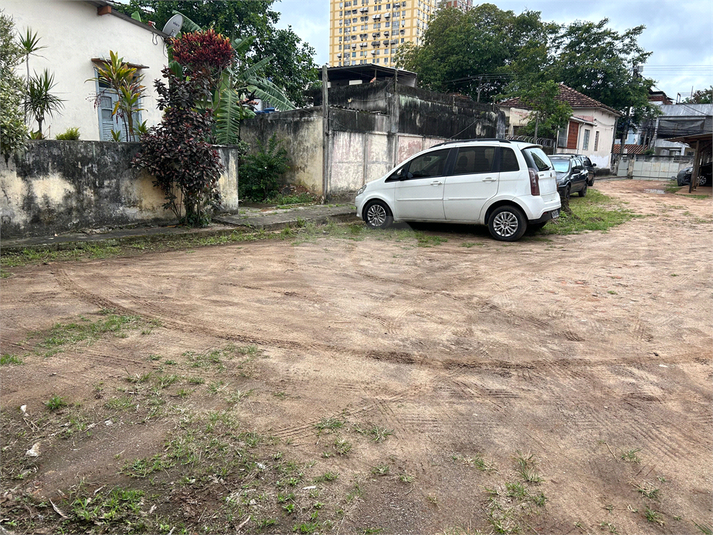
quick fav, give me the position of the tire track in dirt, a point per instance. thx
(167, 319)
(377, 405)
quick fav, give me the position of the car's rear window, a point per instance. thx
(561, 166)
(539, 158)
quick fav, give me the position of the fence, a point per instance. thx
(651, 167)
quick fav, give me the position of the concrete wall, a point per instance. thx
(370, 128)
(652, 167)
(72, 34)
(301, 133)
(60, 186)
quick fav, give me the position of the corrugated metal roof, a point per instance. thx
(687, 110)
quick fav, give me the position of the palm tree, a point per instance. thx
(40, 101)
(30, 44)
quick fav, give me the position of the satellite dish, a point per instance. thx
(173, 26)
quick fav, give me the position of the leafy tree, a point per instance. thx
(702, 96)
(601, 63)
(178, 154)
(549, 113)
(291, 68)
(471, 52)
(13, 131)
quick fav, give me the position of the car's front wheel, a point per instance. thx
(378, 215)
(507, 223)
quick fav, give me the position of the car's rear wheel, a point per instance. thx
(378, 215)
(591, 182)
(507, 223)
(583, 191)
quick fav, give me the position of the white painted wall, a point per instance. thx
(73, 34)
(605, 124)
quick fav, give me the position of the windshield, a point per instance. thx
(561, 166)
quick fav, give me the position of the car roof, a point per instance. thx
(489, 141)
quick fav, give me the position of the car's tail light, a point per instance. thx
(534, 182)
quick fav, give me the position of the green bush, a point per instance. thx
(70, 134)
(261, 172)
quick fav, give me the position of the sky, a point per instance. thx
(679, 33)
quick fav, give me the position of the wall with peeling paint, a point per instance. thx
(301, 134)
(369, 129)
(60, 186)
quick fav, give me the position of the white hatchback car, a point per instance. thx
(507, 185)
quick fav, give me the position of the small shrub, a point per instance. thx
(55, 403)
(261, 172)
(70, 134)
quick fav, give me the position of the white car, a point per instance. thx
(507, 185)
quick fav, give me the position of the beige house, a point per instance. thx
(76, 36)
(591, 129)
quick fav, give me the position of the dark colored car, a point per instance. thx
(588, 165)
(704, 175)
(572, 176)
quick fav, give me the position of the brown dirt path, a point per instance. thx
(575, 349)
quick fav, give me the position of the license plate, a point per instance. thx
(555, 214)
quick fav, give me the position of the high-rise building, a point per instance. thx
(371, 31)
(463, 5)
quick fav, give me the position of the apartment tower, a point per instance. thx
(371, 31)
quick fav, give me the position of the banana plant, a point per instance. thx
(237, 87)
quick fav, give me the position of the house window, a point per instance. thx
(107, 123)
(585, 141)
(596, 141)
(562, 138)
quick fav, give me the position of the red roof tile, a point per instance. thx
(566, 94)
(630, 149)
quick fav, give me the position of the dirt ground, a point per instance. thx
(458, 375)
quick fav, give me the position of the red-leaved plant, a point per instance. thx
(203, 53)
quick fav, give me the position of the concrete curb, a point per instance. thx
(227, 224)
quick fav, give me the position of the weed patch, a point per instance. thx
(86, 330)
(596, 211)
(9, 360)
(56, 403)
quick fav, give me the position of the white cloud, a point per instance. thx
(678, 33)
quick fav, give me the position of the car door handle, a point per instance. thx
(436, 183)
(489, 179)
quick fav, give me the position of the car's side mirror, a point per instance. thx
(594, 165)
